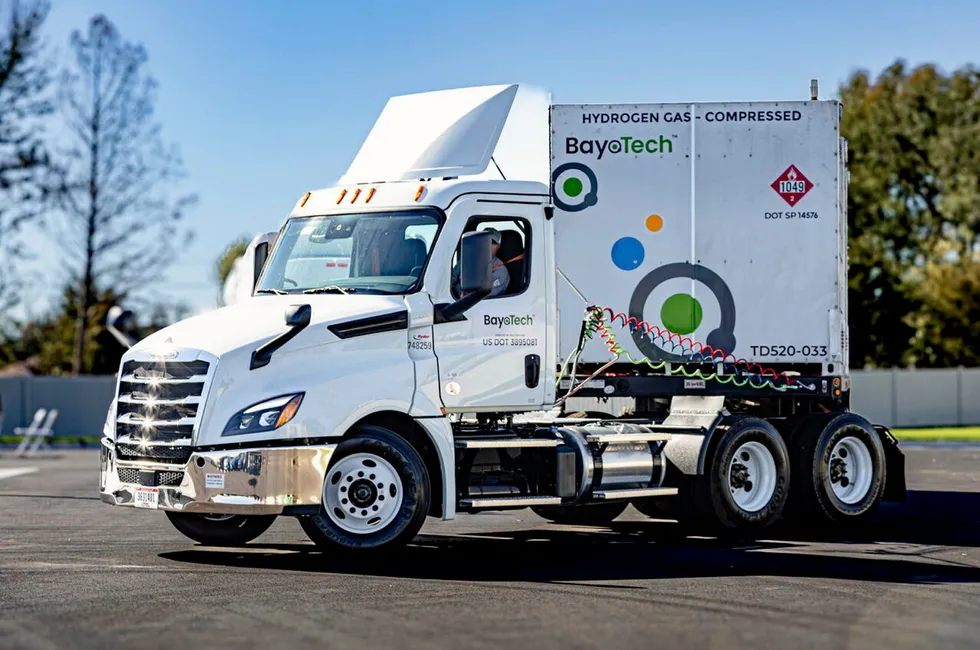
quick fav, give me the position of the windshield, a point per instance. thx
(374, 252)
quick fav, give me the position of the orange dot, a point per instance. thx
(654, 222)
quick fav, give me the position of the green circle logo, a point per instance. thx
(681, 313)
(572, 186)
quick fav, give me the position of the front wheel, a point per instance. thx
(375, 493)
(220, 530)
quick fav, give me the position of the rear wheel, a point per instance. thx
(599, 514)
(220, 530)
(839, 465)
(375, 493)
(746, 480)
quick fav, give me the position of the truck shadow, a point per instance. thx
(652, 549)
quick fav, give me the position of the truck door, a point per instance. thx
(493, 356)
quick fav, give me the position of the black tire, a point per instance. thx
(415, 491)
(598, 514)
(812, 497)
(220, 530)
(711, 496)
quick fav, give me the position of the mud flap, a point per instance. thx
(895, 488)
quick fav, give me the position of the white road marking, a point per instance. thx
(16, 471)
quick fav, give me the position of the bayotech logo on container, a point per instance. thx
(626, 144)
(574, 187)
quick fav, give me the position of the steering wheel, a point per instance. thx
(285, 280)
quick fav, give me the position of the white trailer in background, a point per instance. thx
(690, 257)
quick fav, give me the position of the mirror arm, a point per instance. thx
(124, 339)
(297, 319)
(115, 322)
(455, 310)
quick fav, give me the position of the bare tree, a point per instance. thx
(123, 232)
(24, 160)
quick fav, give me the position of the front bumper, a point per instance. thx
(261, 480)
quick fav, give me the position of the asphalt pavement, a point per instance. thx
(76, 573)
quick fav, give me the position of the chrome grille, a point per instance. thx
(158, 407)
(131, 475)
(155, 453)
(165, 370)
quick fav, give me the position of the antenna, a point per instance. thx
(813, 89)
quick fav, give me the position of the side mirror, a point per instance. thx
(475, 255)
(475, 280)
(258, 261)
(298, 315)
(117, 320)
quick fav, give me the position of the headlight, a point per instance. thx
(264, 416)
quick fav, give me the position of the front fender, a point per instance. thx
(342, 382)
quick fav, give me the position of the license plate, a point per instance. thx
(146, 497)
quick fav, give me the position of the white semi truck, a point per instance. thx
(689, 256)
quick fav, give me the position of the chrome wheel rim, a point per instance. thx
(362, 493)
(851, 470)
(752, 476)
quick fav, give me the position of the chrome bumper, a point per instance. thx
(239, 481)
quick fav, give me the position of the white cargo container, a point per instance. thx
(722, 223)
(422, 380)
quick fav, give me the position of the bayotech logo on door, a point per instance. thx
(507, 321)
(520, 322)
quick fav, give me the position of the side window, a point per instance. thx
(511, 270)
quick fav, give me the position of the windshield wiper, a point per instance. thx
(278, 292)
(330, 289)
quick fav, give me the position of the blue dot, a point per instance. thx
(627, 253)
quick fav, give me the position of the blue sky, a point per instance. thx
(268, 100)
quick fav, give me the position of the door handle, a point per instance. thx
(532, 370)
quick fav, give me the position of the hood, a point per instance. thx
(262, 317)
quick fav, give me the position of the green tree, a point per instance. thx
(947, 320)
(227, 261)
(913, 212)
(50, 340)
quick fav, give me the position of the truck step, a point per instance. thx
(639, 493)
(505, 443)
(510, 502)
(652, 436)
